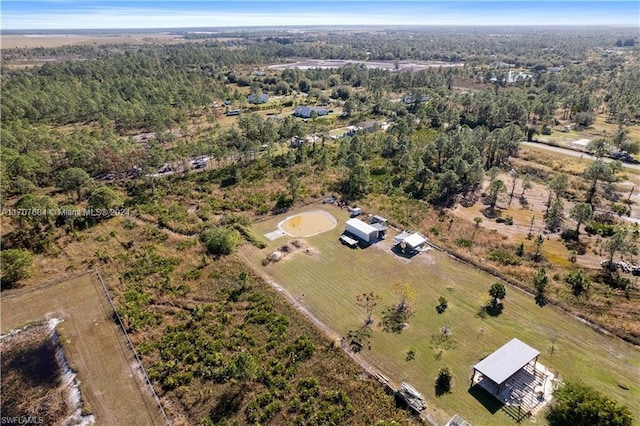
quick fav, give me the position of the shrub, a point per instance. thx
(508, 220)
(503, 257)
(442, 305)
(580, 248)
(16, 265)
(463, 242)
(220, 241)
(411, 354)
(443, 381)
(233, 219)
(155, 234)
(193, 274)
(301, 349)
(569, 235)
(578, 281)
(284, 202)
(603, 229)
(620, 209)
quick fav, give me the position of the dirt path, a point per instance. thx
(573, 153)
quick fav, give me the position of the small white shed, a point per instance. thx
(410, 241)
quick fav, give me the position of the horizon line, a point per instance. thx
(577, 25)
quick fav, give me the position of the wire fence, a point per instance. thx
(133, 350)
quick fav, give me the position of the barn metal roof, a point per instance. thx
(361, 226)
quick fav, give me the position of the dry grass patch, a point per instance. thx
(31, 376)
(94, 346)
(57, 40)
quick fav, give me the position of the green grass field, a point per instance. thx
(331, 280)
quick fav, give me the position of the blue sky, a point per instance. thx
(62, 14)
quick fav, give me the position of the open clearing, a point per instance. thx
(305, 64)
(327, 284)
(94, 346)
(55, 40)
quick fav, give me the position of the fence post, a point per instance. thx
(135, 354)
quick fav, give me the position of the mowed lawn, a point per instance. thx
(328, 283)
(93, 345)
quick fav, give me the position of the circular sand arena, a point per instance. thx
(308, 223)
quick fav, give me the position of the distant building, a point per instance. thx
(499, 65)
(378, 219)
(408, 99)
(366, 127)
(307, 112)
(513, 77)
(262, 98)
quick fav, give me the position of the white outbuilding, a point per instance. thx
(410, 241)
(361, 230)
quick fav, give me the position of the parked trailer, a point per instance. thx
(355, 211)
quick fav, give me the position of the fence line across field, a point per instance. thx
(135, 353)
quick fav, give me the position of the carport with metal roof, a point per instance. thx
(506, 362)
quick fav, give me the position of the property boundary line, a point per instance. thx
(7, 294)
(135, 353)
